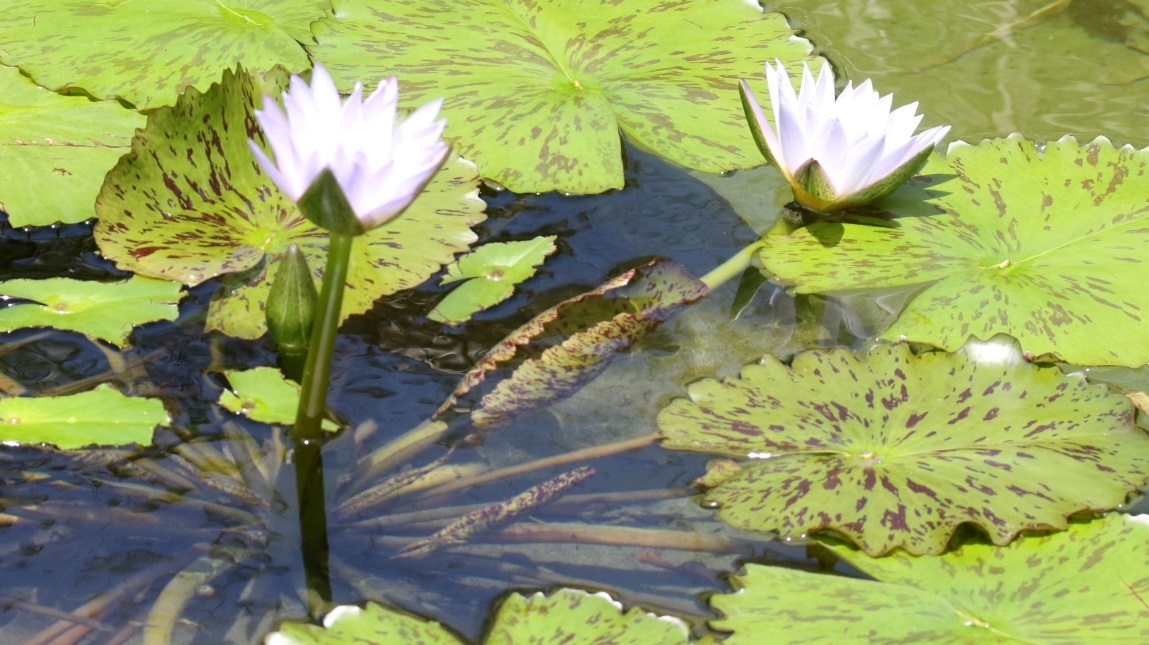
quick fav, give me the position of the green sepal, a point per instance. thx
(813, 181)
(291, 302)
(891, 182)
(326, 206)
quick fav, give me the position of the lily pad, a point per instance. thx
(190, 203)
(263, 394)
(147, 52)
(897, 450)
(563, 616)
(1046, 245)
(490, 273)
(107, 311)
(1087, 585)
(101, 416)
(539, 100)
(59, 146)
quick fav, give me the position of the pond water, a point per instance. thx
(116, 527)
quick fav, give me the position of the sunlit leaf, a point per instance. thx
(101, 416)
(563, 616)
(105, 310)
(263, 394)
(190, 203)
(538, 101)
(490, 273)
(1047, 246)
(1086, 585)
(897, 450)
(59, 147)
(148, 51)
(593, 340)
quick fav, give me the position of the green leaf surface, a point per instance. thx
(101, 416)
(1046, 246)
(59, 147)
(564, 616)
(191, 203)
(896, 449)
(491, 273)
(538, 101)
(147, 52)
(263, 394)
(1086, 585)
(104, 310)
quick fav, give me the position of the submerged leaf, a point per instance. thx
(1087, 585)
(190, 203)
(107, 311)
(1046, 245)
(897, 450)
(59, 146)
(101, 416)
(539, 100)
(148, 52)
(490, 273)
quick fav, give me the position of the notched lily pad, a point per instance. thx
(104, 310)
(191, 203)
(1046, 245)
(563, 616)
(59, 147)
(896, 449)
(490, 274)
(148, 52)
(263, 394)
(538, 102)
(1086, 585)
(101, 416)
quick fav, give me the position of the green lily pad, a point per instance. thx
(59, 146)
(490, 273)
(1087, 585)
(563, 616)
(147, 52)
(1046, 245)
(538, 101)
(897, 450)
(101, 416)
(190, 203)
(263, 394)
(104, 310)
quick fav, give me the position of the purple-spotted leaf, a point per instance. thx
(562, 616)
(108, 311)
(190, 203)
(1086, 585)
(59, 146)
(896, 449)
(1045, 245)
(538, 101)
(147, 52)
(594, 332)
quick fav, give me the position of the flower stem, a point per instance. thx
(732, 267)
(317, 370)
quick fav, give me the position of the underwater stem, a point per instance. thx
(732, 267)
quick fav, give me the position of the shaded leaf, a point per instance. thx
(1086, 585)
(897, 450)
(629, 315)
(538, 101)
(263, 394)
(101, 416)
(190, 203)
(59, 146)
(490, 273)
(104, 310)
(149, 51)
(1043, 245)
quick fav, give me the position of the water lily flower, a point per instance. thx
(838, 153)
(380, 166)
